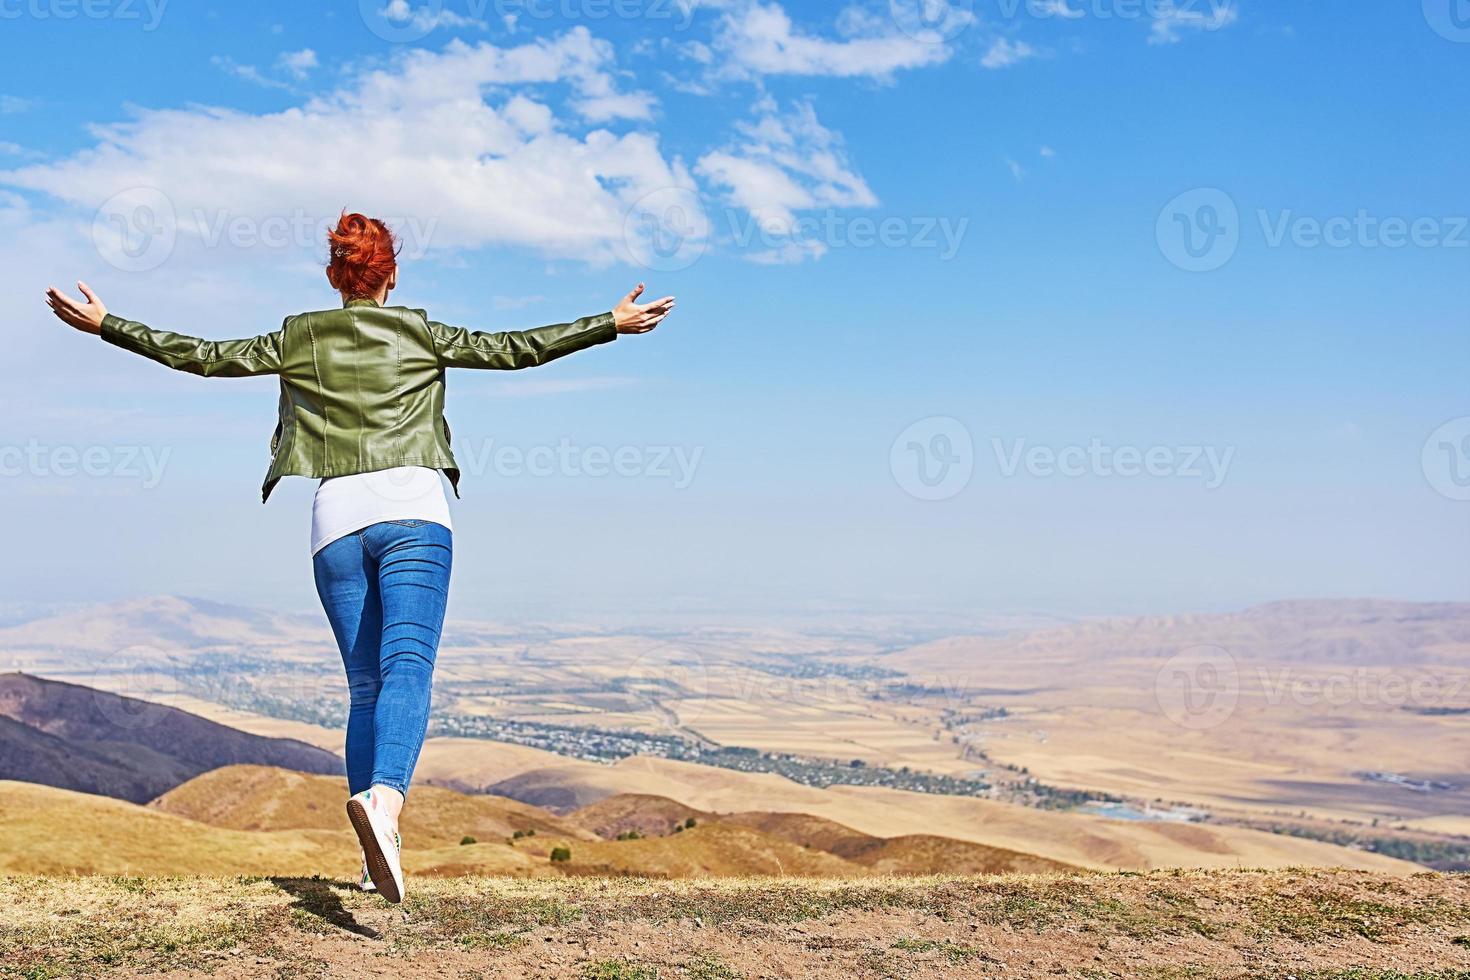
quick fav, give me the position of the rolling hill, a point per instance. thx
(59, 832)
(259, 799)
(82, 739)
(263, 798)
(655, 816)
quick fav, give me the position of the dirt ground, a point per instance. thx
(1307, 925)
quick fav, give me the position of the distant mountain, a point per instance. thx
(160, 627)
(78, 738)
(1338, 632)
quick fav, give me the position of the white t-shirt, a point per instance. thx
(345, 504)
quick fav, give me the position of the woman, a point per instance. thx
(362, 410)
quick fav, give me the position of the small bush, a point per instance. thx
(561, 854)
(689, 824)
(467, 839)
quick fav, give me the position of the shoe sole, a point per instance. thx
(377, 862)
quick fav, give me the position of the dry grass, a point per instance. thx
(1322, 925)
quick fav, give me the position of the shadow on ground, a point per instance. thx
(318, 897)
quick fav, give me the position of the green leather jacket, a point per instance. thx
(362, 388)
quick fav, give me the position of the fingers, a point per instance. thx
(63, 313)
(652, 315)
(87, 292)
(58, 296)
(68, 310)
(634, 294)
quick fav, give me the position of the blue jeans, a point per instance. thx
(384, 589)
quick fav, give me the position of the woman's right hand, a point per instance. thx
(632, 317)
(86, 317)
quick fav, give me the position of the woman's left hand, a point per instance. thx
(86, 317)
(631, 316)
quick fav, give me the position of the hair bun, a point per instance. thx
(363, 255)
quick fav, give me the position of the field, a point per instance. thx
(1339, 711)
(1310, 925)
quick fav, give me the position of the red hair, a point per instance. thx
(364, 255)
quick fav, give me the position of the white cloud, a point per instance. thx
(425, 18)
(1004, 53)
(248, 73)
(760, 39)
(1017, 171)
(1058, 8)
(436, 136)
(297, 63)
(1171, 20)
(1048, 152)
(12, 104)
(786, 163)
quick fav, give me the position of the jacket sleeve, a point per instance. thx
(206, 358)
(509, 350)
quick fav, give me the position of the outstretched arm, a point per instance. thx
(512, 349)
(207, 358)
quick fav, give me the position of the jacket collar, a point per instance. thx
(360, 301)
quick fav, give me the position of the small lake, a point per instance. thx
(1127, 811)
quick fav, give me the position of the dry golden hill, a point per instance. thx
(1228, 925)
(52, 831)
(704, 851)
(57, 831)
(651, 816)
(262, 798)
(912, 854)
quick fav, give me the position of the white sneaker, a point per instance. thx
(365, 880)
(380, 844)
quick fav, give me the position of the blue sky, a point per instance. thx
(1084, 307)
